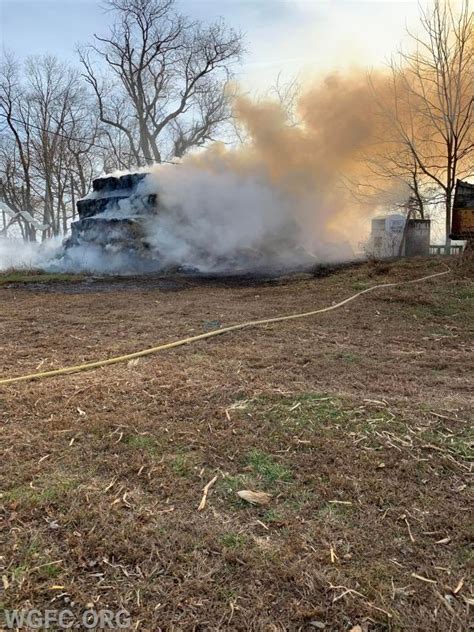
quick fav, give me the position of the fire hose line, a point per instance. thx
(210, 334)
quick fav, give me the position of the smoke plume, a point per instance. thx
(278, 201)
(281, 200)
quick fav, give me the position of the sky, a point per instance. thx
(299, 38)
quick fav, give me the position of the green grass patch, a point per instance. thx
(28, 496)
(461, 444)
(334, 513)
(233, 484)
(227, 594)
(272, 516)
(142, 442)
(465, 294)
(233, 540)
(49, 571)
(328, 416)
(361, 285)
(347, 357)
(311, 410)
(181, 465)
(448, 307)
(229, 486)
(264, 466)
(30, 557)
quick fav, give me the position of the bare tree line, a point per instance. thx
(158, 84)
(47, 128)
(429, 112)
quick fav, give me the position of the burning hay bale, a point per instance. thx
(112, 215)
(146, 222)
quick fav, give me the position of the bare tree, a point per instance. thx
(48, 134)
(166, 89)
(394, 177)
(16, 187)
(432, 106)
(283, 92)
(286, 93)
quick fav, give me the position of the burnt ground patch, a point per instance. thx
(356, 422)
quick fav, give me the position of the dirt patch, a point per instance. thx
(356, 422)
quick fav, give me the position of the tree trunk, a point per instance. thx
(448, 221)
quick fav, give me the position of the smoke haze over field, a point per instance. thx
(16, 253)
(278, 201)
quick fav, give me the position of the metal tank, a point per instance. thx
(417, 238)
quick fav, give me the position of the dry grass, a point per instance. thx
(16, 277)
(355, 423)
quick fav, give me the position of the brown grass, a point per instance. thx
(355, 422)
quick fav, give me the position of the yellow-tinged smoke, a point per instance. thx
(319, 162)
(309, 187)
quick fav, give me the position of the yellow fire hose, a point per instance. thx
(218, 332)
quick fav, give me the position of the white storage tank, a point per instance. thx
(395, 236)
(386, 236)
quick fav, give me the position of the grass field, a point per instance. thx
(17, 277)
(356, 422)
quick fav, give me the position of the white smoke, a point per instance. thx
(25, 255)
(222, 222)
(207, 221)
(51, 256)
